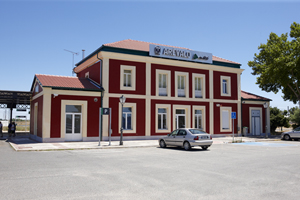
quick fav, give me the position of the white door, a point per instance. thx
(255, 124)
(180, 118)
(73, 123)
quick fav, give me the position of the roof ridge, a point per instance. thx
(147, 43)
(249, 93)
(57, 75)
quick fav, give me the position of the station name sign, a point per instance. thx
(179, 54)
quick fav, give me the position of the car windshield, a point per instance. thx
(197, 131)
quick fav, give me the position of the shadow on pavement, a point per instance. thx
(193, 149)
(21, 140)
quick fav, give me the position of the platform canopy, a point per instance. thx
(15, 99)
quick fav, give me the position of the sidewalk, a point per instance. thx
(24, 143)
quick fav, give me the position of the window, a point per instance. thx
(127, 77)
(198, 88)
(163, 82)
(162, 85)
(181, 82)
(225, 86)
(198, 85)
(181, 133)
(199, 117)
(127, 118)
(162, 119)
(225, 115)
(36, 89)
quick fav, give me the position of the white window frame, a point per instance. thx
(229, 109)
(186, 82)
(133, 117)
(168, 77)
(187, 115)
(202, 77)
(203, 121)
(168, 107)
(87, 75)
(133, 77)
(228, 79)
(84, 109)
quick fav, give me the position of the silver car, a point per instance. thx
(187, 138)
(294, 134)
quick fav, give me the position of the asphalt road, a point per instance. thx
(225, 171)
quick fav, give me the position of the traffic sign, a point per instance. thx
(105, 111)
(233, 115)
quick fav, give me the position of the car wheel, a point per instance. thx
(287, 137)
(162, 144)
(186, 145)
(204, 147)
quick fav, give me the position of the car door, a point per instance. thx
(170, 140)
(180, 137)
(296, 133)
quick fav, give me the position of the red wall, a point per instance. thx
(92, 118)
(94, 72)
(153, 112)
(39, 118)
(245, 114)
(140, 118)
(217, 117)
(217, 85)
(114, 77)
(154, 67)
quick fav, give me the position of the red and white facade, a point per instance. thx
(162, 94)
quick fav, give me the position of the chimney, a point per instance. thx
(83, 53)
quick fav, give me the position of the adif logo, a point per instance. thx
(157, 50)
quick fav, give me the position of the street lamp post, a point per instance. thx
(266, 115)
(122, 101)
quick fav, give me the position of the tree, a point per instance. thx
(295, 117)
(277, 119)
(278, 64)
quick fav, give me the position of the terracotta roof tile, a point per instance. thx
(144, 46)
(247, 95)
(66, 82)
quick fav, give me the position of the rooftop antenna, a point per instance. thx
(74, 53)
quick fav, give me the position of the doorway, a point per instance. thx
(255, 122)
(180, 119)
(73, 123)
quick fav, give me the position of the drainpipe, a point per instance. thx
(242, 131)
(102, 95)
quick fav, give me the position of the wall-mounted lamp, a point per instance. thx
(218, 105)
(243, 102)
(55, 95)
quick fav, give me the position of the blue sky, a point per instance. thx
(34, 34)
